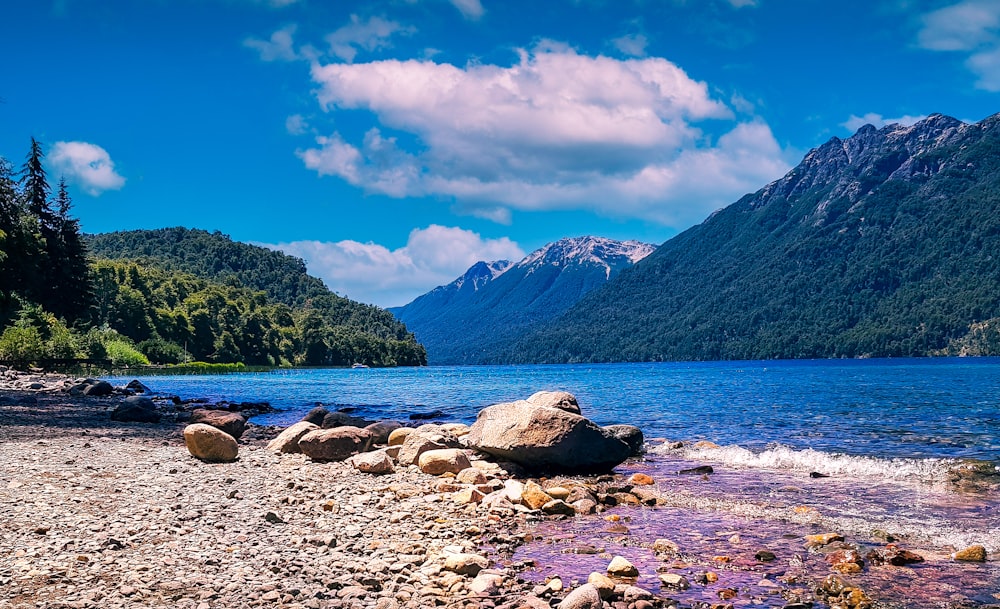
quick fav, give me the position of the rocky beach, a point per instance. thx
(105, 513)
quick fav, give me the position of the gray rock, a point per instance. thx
(288, 440)
(381, 430)
(136, 409)
(335, 444)
(232, 423)
(97, 388)
(542, 438)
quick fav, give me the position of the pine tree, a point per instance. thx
(69, 254)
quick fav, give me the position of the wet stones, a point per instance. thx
(822, 539)
(620, 567)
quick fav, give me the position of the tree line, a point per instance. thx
(219, 301)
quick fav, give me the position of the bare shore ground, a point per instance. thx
(103, 514)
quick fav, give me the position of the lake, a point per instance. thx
(888, 433)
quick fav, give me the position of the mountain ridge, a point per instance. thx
(878, 245)
(464, 326)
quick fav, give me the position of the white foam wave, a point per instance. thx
(780, 457)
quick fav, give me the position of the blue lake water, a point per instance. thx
(884, 408)
(888, 433)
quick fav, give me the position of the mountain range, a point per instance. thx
(884, 244)
(476, 318)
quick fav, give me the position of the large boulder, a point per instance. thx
(136, 409)
(210, 444)
(335, 444)
(288, 440)
(545, 439)
(233, 423)
(562, 400)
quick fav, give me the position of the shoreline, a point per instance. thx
(106, 514)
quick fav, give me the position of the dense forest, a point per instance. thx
(167, 296)
(882, 245)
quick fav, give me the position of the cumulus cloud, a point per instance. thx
(373, 273)
(556, 130)
(85, 164)
(971, 27)
(854, 123)
(370, 35)
(742, 3)
(280, 47)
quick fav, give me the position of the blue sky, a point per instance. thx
(393, 143)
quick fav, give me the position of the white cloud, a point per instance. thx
(470, 9)
(373, 273)
(86, 164)
(557, 130)
(633, 45)
(742, 3)
(296, 125)
(280, 47)
(370, 35)
(971, 27)
(854, 123)
(960, 27)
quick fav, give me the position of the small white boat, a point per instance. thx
(358, 366)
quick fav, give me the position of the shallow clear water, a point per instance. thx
(887, 432)
(883, 408)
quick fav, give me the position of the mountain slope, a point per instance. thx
(881, 245)
(479, 315)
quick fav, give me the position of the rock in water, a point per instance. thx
(629, 434)
(210, 444)
(288, 440)
(335, 444)
(584, 597)
(543, 438)
(232, 423)
(971, 554)
(315, 416)
(620, 567)
(136, 409)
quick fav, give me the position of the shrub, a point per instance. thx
(21, 345)
(122, 353)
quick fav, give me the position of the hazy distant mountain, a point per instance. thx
(476, 317)
(883, 244)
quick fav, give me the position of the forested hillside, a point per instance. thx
(882, 245)
(171, 295)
